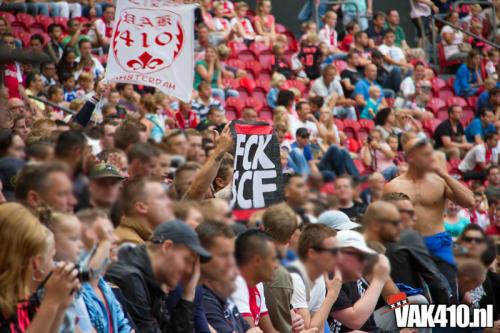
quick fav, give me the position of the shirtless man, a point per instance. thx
(428, 185)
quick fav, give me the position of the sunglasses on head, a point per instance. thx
(333, 251)
(477, 240)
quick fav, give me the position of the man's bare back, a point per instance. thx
(428, 195)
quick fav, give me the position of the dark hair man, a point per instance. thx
(145, 206)
(256, 258)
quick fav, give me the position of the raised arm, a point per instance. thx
(206, 175)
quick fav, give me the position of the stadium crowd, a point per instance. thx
(114, 202)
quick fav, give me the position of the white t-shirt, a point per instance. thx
(296, 123)
(320, 89)
(246, 24)
(458, 38)
(393, 52)
(477, 155)
(316, 295)
(251, 302)
(221, 24)
(329, 36)
(407, 87)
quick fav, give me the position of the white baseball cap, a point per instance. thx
(351, 238)
(337, 220)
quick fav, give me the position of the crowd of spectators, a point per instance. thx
(114, 198)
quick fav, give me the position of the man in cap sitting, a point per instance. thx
(148, 272)
(103, 188)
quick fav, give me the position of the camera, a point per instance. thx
(85, 274)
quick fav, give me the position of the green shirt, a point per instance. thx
(400, 34)
(198, 78)
(278, 295)
(67, 39)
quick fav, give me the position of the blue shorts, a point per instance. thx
(441, 246)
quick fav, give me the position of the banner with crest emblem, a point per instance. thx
(152, 45)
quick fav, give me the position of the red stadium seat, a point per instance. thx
(442, 114)
(253, 66)
(450, 82)
(437, 84)
(254, 103)
(472, 101)
(266, 59)
(9, 17)
(260, 94)
(231, 114)
(235, 103)
(453, 167)
(280, 28)
(248, 84)
(246, 55)
(443, 63)
(435, 105)
(292, 42)
(266, 113)
(445, 93)
(455, 100)
(25, 19)
(351, 128)
(257, 48)
(339, 123)
(468, 114)
(62, 21)
(18, 27)
(265, 74)
(233, 83)
(301, 86)
(243, 93)
(44, 20)
(236, 63)
(341, 65)
(430, 126)
(360, 166)
(264, 84)
(367, 123)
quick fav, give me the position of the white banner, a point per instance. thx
(152, 45)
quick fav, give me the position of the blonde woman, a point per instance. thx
(23, 242)
(265, 24)
(327, 129)
(277, 82)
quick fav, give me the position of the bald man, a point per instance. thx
(16, 106)
(361, 94)
(382, 222)
(428, 186)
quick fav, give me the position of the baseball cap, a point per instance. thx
(337, 220)
(180, 233)
(102, 170)
(351, 238)
(302, 132)
(9, 168)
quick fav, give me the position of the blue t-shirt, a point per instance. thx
(308, 155)
(361, 88)
(476, 128)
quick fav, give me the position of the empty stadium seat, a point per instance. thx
(246, 55)
(9, 17)
(455, 100)
(435, 105)
(266, 59)
(257, 48)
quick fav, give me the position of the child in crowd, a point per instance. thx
(69, 86)
(222, 24)
(329, 35)
(277, 83)
(352, 28)
(280, 63)
(479, 213)
(492, 61)
(85, 84)
(227, 8)
(265, 24)
(310, 56)
(373, 104)
(243, 27)
(307, 28)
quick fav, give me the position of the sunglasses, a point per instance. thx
(334, 251)
(477, 240)
(360, 256)
(408, 211)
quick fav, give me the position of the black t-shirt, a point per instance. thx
(445, 129)
(355, 212)
(376, 36)
(349, 294)
(310, 57)
(353, 76)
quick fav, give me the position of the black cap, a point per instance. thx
(180, 233)
(302, 132)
